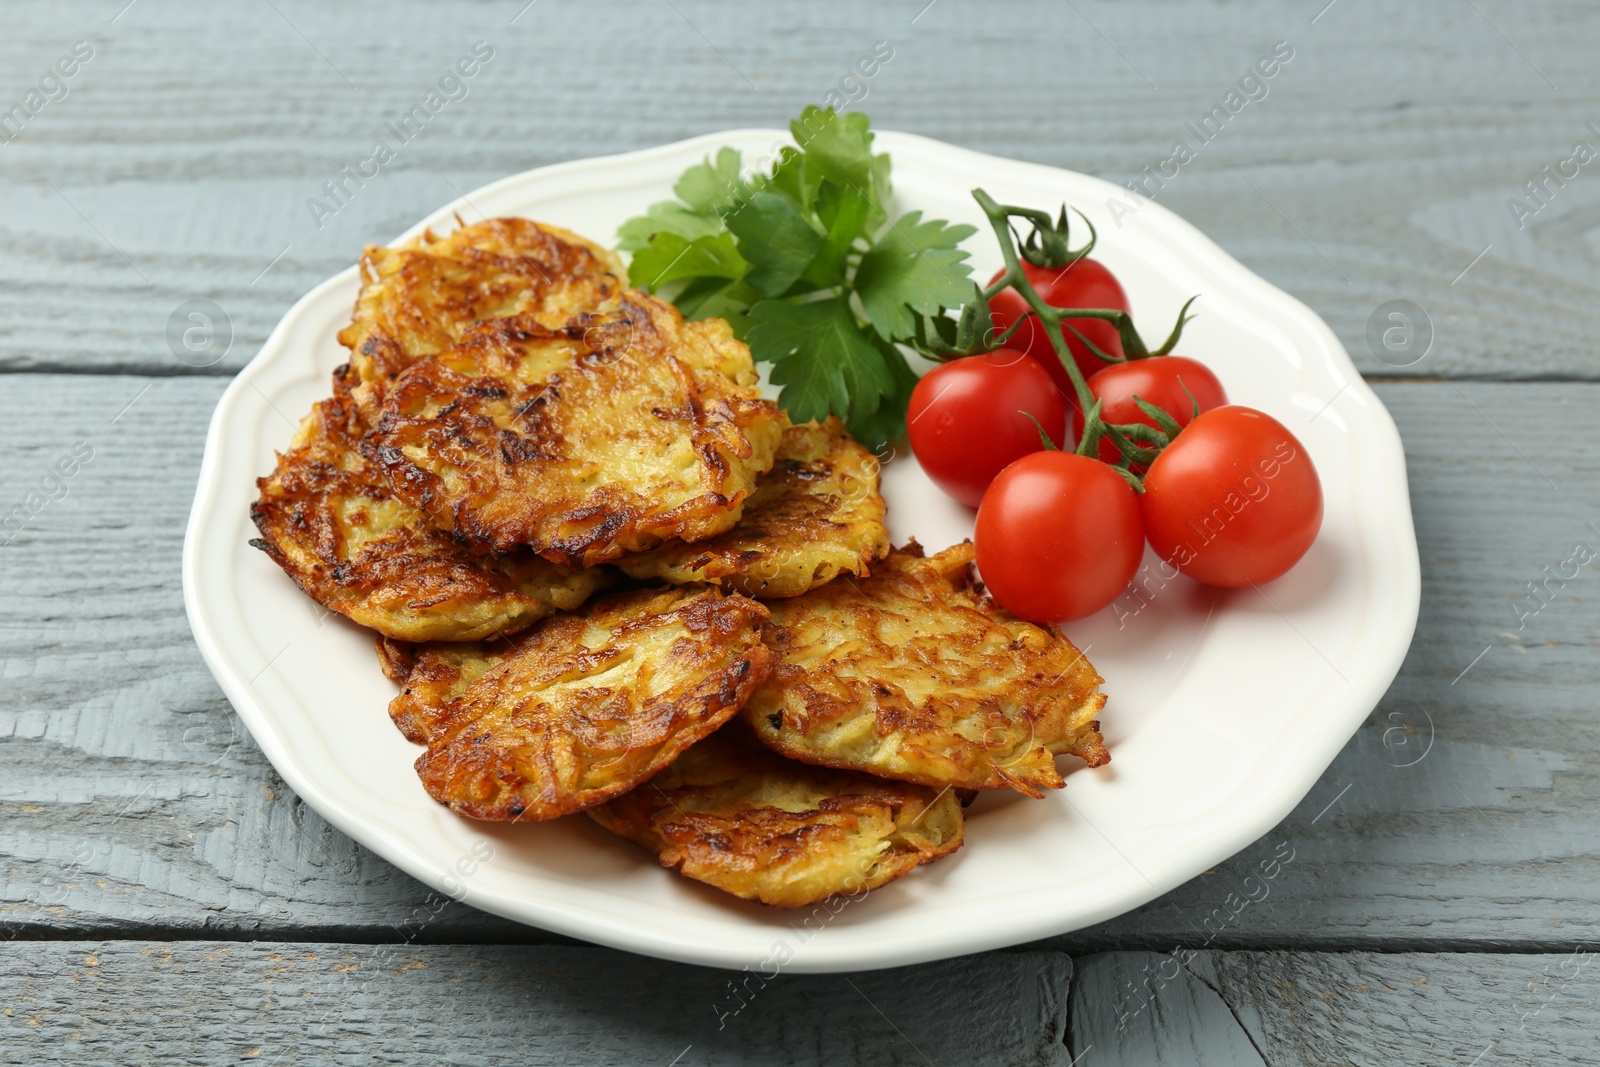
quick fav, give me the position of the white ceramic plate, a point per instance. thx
(1224, 708)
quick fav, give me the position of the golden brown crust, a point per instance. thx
(421, 297)
(331, 522)
(815, 515)
(433, 675)
(608, 435)
(914, 674)
(734, 815)
(581, 706)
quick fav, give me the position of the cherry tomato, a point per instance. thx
(966, 424)
(1234, 500)
(1058, 537)
(1159, 380)
(1083, 283)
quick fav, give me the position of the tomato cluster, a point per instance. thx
(1231, 499)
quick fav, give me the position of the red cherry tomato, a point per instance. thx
(1058, 537)
(1234, 500)
(1159, 380)
(965, 420)
(1083, 283)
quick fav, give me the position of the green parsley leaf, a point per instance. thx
(844, 212)
(668, 257)
(713, 187)
(888, 422)
(915, 266)
(881, 186)
(777, 240)
(716, 298)
(837, 146)
(706, 192)
(668, 216)
(808, 269)
(823, 359)
(793, 178)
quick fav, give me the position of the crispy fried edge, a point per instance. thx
(654, 814)
(954, 565)
(413, 665)
(742, 426)
(376, 354)
(334, 422)
(740, 561)
(720, 694)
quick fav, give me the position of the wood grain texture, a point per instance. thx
(308, 1003)
(134, 801)
(230, 1002)
(1148, 1008)
(1361, 1009)
(1378, 165)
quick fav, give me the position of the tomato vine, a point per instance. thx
(1047, 244)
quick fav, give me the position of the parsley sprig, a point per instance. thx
(806, 264)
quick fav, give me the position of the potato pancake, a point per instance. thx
(608, 435)
(421, 297)
(815, 515)
(580, 707)
(737, 816)
(914, 674)
(330, 521)
(433, 675)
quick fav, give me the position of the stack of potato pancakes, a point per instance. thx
(611, 578)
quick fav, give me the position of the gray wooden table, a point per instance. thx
(166, 897)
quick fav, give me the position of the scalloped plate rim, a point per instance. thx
(1255, 811)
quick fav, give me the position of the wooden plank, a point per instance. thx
(232, 1002)
(1334, 1008)
(133, 801)
(172, 817)
(1381, 166)
(1378, 165)
(222, 1002)
(1148, 1008)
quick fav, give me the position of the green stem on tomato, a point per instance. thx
(1089, 446)
(1164, 422)
(1014, 277)
(1094, 350)
(1177, 328)
(1044, 438)
(1129, 439)
(1125, 439)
